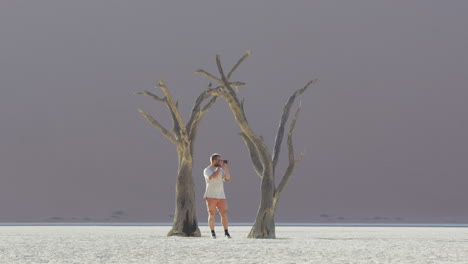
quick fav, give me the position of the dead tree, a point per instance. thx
(264, 163)
(183, 136)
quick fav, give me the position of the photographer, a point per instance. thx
(215, 176)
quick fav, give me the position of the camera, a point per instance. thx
(225, 161)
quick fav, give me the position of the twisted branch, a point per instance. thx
(220, 81)
(179, 124)
(157, 125)
(292, 161)
(210, 76)
(247, 54)
(198, 112)
(176, 129)
(284, 119)
(181, 132)
(196, 108)
(260, 150)
(155, 97)
(253, 155)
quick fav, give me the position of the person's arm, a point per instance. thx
(226, 171)
(215, 174)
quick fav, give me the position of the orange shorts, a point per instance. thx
(214, 203)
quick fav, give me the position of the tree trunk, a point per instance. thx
(264, 226)
(183, 136)
(185, 221)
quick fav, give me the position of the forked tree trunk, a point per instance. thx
(183, 136)
(264, 164)
(185, 220)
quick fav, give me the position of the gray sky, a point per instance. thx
(384, 131)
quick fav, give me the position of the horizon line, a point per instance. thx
(235, 224)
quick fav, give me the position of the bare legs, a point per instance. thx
(224, 220)
(221, 204)
(211, 220)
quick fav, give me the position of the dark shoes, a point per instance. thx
(226, 234)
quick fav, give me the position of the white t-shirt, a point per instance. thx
(214, 186)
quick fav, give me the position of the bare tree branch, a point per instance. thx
(174, 111)
(242, 103)
(157, 125)
(203, 111)
(242, 107)
(196, 122)
(196, 108)
(209, 104)
(241, 120)
(176, 128)
(210, 76)
(292, 161)
(219, 81)
(198, 112)
(247, 54)
(284, 119)
(235, 85)
(225, 82)
(237, 109)
(253, 155)
(292, 126)
(155, 97)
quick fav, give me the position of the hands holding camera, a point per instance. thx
(224, 163)
(218, 164)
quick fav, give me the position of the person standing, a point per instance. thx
(215, 176)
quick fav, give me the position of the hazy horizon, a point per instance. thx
(384, 130)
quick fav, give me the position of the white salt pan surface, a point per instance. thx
(149, 244)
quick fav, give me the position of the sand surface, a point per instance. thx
(148, 244)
